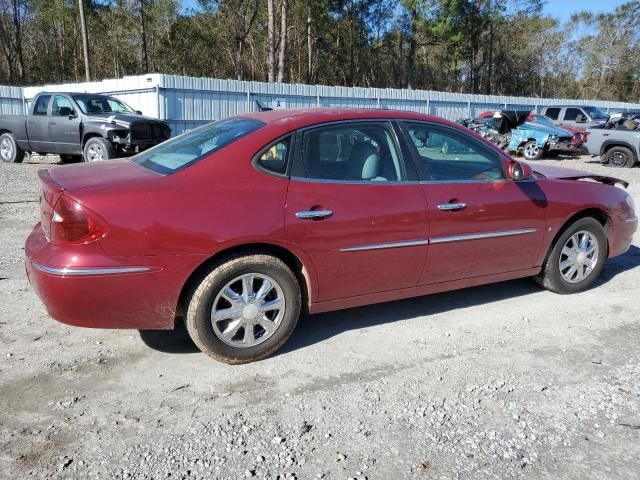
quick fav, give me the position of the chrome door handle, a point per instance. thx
(451, 206)
(313, 214)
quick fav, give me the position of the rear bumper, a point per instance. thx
(82, 286)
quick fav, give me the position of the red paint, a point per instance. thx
(173, 224)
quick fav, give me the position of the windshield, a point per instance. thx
(543, 119)
(101, 104)
(596, 113)
(188, 148)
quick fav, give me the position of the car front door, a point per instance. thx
(64, 126)
(354, 205)
(38, 125)
(571, 116)
(481, 223)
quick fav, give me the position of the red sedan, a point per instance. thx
(241, 225)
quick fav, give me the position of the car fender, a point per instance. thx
(520, 136)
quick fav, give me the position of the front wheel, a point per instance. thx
(9, 150)
(97, 149)
(531, 151)
(244, 309)
(576, 259)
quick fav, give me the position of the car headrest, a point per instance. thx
(364, 161)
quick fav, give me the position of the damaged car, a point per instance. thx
(513, 130)
(79, 126)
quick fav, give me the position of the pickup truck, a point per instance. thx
(78, 126)
(575, 116)
(617, 147)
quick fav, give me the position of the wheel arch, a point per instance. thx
(595, 212)
(609, 144)
(301, 270)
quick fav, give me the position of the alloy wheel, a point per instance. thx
(95, 153)
(618, 159)
(579, 256)
(248, 310)
(531, 150)
(6, 150)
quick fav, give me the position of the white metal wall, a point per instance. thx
(11, 101)
(187, 102)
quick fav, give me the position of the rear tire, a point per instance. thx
(97, 149)
(621, 157)
(558, 273)
(9, 150)
(231, 318)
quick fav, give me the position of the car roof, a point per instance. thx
(74, 93)
(311, 116)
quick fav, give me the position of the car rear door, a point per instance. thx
(480, 222)
(354, 205)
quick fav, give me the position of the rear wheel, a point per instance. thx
(531, 151)
(621, 157)
(97, 149)
(245, 309)
(576, 259)
(9, 150)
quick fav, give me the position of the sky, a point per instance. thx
(562, 9)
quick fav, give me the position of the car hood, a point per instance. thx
(548, 129)
(122, 119)
(560, 173)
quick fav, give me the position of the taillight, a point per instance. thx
(72, 222)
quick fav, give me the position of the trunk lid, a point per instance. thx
(76, 177)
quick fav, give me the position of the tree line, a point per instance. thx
(507, 47)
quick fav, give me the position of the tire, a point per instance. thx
(557, 279)
(70, 158)
(229, 276)
(98, 149)
(10, 152)
(531, 151)
(621, 157)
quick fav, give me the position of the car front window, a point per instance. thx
(188, 148)
(101, 104)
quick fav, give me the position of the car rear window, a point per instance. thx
(188, 148)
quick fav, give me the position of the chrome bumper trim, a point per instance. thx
(381, 246)
(83, 271)
(480, 236)
(631, 219)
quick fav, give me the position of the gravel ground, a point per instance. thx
(500, 381)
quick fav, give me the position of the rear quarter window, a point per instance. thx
(186, 149)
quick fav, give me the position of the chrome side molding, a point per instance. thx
(480, 236)
(381, 246)
(83, 271)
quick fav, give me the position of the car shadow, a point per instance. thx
(313, 329)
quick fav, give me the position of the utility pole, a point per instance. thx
(145, 58)
(85, 40)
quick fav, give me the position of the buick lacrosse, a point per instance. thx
(240, 226)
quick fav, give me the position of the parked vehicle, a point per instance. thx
(579, 135)
(79, 126)
(617, 147)
(575, 116)
(242, 224)
(512, 130)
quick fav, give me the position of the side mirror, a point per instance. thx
(581, 119)
(138, 112)
(519, 171)
(67, 112)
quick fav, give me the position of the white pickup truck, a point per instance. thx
(617, 147)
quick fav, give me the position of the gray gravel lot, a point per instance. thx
(501, 381)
